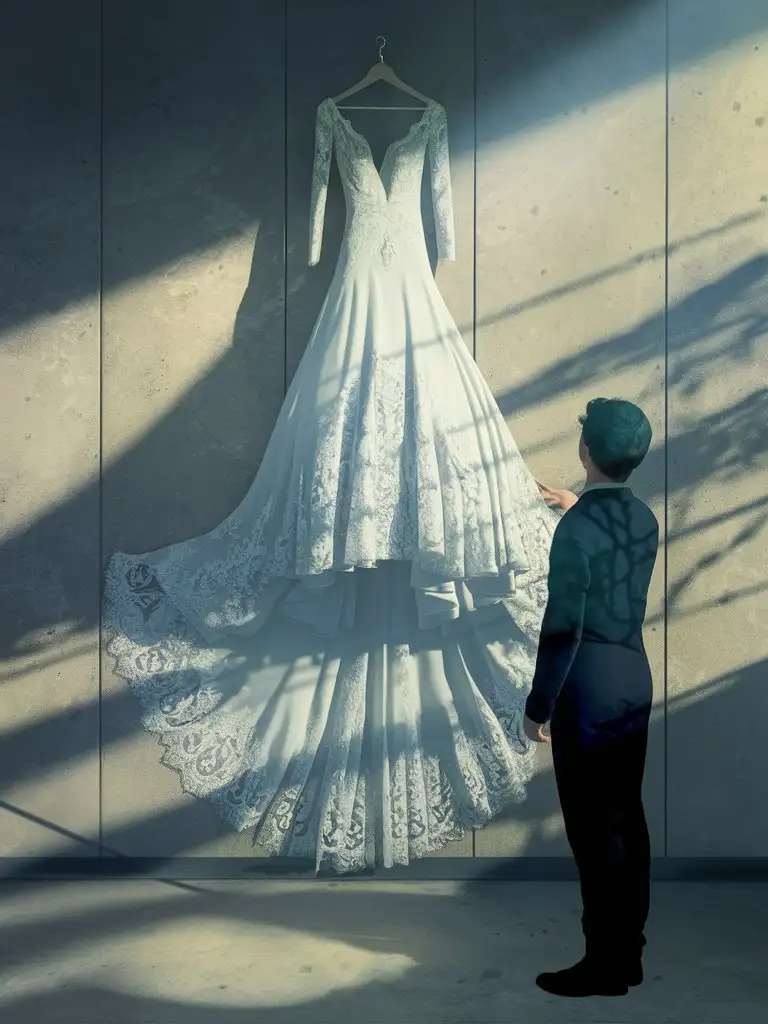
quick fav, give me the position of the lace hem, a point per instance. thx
(332, 799)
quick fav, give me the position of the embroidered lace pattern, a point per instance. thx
(383, 206)
(212, 746)
(263, 653)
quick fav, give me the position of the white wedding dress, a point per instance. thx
(342, 664)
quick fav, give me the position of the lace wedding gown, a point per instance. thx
(342, 664)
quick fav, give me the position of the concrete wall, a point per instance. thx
(612, 239)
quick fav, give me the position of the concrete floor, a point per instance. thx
(367, 952)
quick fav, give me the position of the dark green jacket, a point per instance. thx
(603, 553)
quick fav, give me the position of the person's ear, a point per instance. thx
(583, 451)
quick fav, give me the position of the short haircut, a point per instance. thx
(617, 434)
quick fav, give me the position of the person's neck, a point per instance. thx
(595, 477)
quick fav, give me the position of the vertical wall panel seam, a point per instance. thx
(474, 179)
(474, 227)
(285, 197)
(100, 499)
(665, 645)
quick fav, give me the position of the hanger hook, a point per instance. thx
(381, 42)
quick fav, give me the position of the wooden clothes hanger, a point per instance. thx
(380, 72)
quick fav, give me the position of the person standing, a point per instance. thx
(593, 684)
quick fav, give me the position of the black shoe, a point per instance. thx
(634, 973)
(633, 965)
(585, 978)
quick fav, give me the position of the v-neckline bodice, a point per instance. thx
(391, 147)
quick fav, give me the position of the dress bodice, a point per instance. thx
(383, 205)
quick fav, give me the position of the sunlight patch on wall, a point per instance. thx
(50, 400)
(152, 356)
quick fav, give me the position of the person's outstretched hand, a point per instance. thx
(557, 497)
(534, 731)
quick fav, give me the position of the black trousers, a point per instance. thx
(599, 781)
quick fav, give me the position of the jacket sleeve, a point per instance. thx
(563, 622)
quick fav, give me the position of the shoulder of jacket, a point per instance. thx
(572, 523)
(640, 504)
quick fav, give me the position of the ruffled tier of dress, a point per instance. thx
(342, 664)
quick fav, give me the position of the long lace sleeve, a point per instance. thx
(441, 186)
(320, 172)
